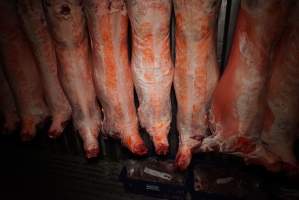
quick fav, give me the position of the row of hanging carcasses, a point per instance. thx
(60, 58)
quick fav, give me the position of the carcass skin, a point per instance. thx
(238, 102)
(21, 71)
(282, 119)
(152, 67)
(67, 24)
(35, 26)
(196, 71)
(112, 73)
(8, 108)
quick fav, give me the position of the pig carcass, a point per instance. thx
(196, 71)
(68, 28)
(282, 118)
(21, 70)
(152, 66)
(8, 109)
(35, 26)
(239, 100)
(108, 29)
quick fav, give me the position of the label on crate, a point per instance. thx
(153, 188)
(158, 174)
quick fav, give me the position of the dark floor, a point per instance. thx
(32, 171)
(61, 177)
(28, 172)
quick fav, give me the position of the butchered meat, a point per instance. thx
(8, 110)
(108, 28)
(282, 118)
(152, 66)
(35, 26)
(21, 71)
(238, 103)
(196, 71)
(68, 28)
